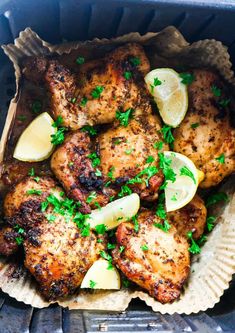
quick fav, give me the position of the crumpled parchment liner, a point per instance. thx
(211, 270)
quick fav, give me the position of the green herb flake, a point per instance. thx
(184, 171)
(58, 137)
(124, 117)
(124, 190)
(187, 78)
(21, 117)
(165, 165)
(36, 179)
(158, 145)
(110, 173)
(91, 197)
(100, 229)
(127, 75)
(80, 60)
(99, 240)
(111, 246)
(95, 160)
(58, 121)
(50, 218)
(121, 248)
(194, 248)
(97, 91)
(164, 227)
(216, 91)
(129, 151)
(83, 101)
(210, 222)
(98, 173)
(221, 159)
(217, 197)
(174, 198)
(31, 172)
(195, 125)
(125, 283)
(135, 61)
(36, 107)
(33, 191)
(136, 223)
(150, 159)
(108, 257)
(92, 284)
(167, 134)
(144, 247)
(156, 82)
(202, 240)
(19, 240)
(224, 102)
(86, 230)
(90, 130)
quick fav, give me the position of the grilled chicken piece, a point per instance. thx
(163, 268)
(8, 245)
(98, 91)
(123, 152)
(56, 253)
(191, 217)
(212, 135)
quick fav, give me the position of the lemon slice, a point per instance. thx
(34, 144)
(100, 277)
(115, 212)
(181, 192)
(169, 93)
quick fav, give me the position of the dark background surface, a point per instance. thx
(59, 20)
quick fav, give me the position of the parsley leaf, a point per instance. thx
(156, 82)
(164, 227)
(144, 247)
(58, 121)
(214, 198)
(194, 248)
(100, 229)
(184, 171)
(136, 224)
(21, 117)
(158, 145)
(187, 78)
(164, 164)
(36, 107)
(19, 240)
(150, 159)
(80, 60)
(83, 101)
(160, 211)
(127, 75)
(108, 257)
(31, 172)
(124, 117)
(92, 284)
(121, 248)
(58, 137)
(95, 160)
(195, 125)
(221, 159)
(33, 191)
(210, 222)
(135, 61)
(124, 190)
(97, 91)
(98, 173)
(110, 173)
(111, 246)
(129, 151)
(224, 102)
(50, 218)
(167, 134)
(91, 197)
(89, 129)
(125, 283)
(216, 91)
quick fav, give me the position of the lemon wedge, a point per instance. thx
(100, 277)
(115, 212)
(169, 93)
(34, 144)
(180, 192)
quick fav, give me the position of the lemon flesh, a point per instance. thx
(170, 95)
(100, 277)
(181, 192)
(115, 212)
(34, 144)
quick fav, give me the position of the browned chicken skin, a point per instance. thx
(163, 268)
(56, 253)
(213, 134)
(94, 96)
(8, 245)
(123, 152)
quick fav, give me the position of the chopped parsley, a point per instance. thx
(210, 222)
(100, 229)
(58, 137)
(216, 91)
(124, 117)
(124, 190)
(117, 142)
(156, 82)
(80, 60)
(58, 121)
(221, 159)
(33, 191)
(202, 240)
(50, 218)
(97, 91)
(165, 165)
(194, 248)
(36, 179)
(164, 227)
(83, 101)
(92, 284)
(184, 171)
(136, 224)
(187, 78)
(89, 129)
(125, 283)
(129, 151)
(224, 102)
(108, 257)
(150, 159)
(135, 61)
(149, 172)
(95, 160)
(127, 75)
(98, 173)
(158, 145)
(214, 198)
(144, 247)
(111, 246)
(91, 197)
(173, 198)
(19, 240)
(121, 248)
(36, 107)
(195, 125)
(160, 210)
(110, 173)
(31, 172)
(167, 134)
(21, 117)
(73, 100)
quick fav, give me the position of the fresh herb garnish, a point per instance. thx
(83, 101)
(160, 210)
(144, 247)
(33, 191)
(100, 229)
(73, 100)
(195, 125)
(187, 78)
(110, 173)
(210, 222)
(224, 102)
(36, 107)
(127, 75)
(135, 61)
(150, 159)
(184, 171)
(156, 82)
(214, 198)
(36, 179)
(125, 283)
(173, 198)
(136, 224)
(21, 117)
(97, 91)
(164, 227)
(216, 91)
(80, 60)
(19, 240)
(129, 151)
(95, 160)
(124, 117)
(89, 129)
(50, 218)
(221, 159)
(58, 121)
(202, 240)
(108, 257)
(98, 173)
(92, 284)
(111, 246)
(165, 165)
(124, 190)
(158, 145)
(121, 248)
(167, 134)
(31, 172)
(91, 197)
(58, 137)
(194, 248)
